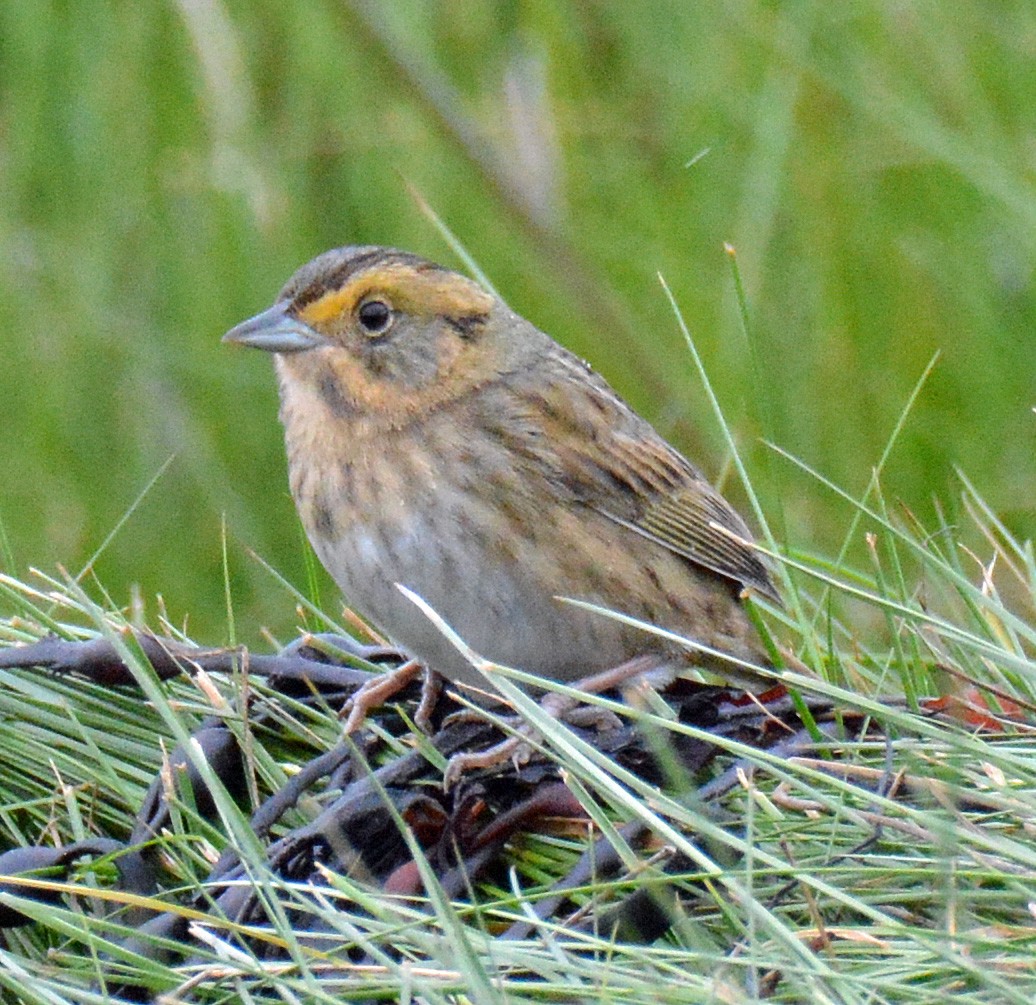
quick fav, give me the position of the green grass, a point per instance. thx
(891, 868)
(165, 167)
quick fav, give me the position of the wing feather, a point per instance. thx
(607, 457)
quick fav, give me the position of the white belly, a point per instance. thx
(496, 607)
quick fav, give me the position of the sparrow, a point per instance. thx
(439, 441)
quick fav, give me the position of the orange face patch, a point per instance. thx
(405, 288)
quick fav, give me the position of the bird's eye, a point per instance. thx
(375, 317)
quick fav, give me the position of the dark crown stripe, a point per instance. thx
(341, 267)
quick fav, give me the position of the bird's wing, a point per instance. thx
(607, 457)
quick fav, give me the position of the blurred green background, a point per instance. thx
(165, 166)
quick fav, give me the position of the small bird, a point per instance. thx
(439, 441)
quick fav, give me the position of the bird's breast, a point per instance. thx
(456, 522)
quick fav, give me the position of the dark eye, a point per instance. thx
(375, 316)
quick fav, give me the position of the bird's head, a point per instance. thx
(378, 330)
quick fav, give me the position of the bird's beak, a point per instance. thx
(275, 330)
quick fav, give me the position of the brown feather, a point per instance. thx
(610, 459)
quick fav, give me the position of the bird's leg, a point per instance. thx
(377, 691)
(564, 707)
(380, 688)
(431, 690)
(557, 706)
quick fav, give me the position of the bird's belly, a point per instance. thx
(501, 601)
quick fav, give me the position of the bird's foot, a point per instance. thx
(517, 748)
(514, 748)
(379, 689)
